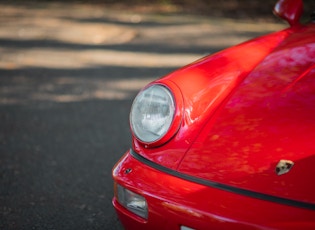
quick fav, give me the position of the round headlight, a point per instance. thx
(152, 113)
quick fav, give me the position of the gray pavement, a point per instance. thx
(68, 74)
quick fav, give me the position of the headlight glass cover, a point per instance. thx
(152, 113)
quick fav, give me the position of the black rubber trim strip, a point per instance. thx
(224, 187)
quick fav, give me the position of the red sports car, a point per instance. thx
(227, 142)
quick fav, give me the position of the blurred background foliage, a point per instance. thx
(234, 9)
(238, 9)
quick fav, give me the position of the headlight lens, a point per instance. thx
(152, 113)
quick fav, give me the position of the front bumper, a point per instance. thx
(174, 202)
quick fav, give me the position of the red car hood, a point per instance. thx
(268, 117)
(203, 86)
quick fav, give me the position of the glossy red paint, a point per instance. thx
(174, 202)
(289, 10)
(268, 118)
(204, 85)
(239, 113)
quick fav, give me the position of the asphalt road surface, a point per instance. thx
(68, 75)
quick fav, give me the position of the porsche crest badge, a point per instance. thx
(284, 166)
